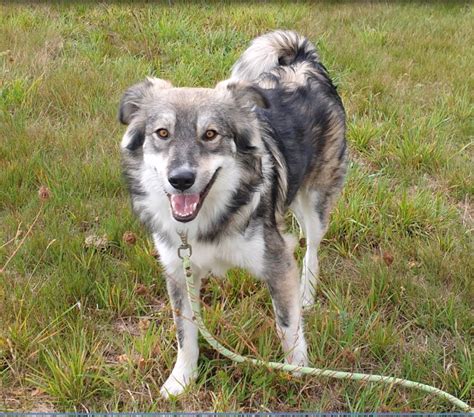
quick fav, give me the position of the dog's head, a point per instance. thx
(192, 138)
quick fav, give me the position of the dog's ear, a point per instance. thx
(245, 93)
(132, 98)
(129, 105)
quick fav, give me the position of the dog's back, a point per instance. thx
(306, 118)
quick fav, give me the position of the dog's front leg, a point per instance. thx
(283, 283)
(185, 369)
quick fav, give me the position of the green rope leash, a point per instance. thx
(194, 300)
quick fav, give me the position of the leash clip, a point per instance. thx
(185, 246)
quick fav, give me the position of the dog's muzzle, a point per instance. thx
(185, 207)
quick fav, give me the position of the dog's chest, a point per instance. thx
(236, 251)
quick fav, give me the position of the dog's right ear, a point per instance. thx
(133, 97)
(131, 102)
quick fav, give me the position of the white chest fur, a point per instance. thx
(238, 250)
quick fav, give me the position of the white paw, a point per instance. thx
(176, 383)
(298, 356)
(301, 360)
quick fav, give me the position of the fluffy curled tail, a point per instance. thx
(279, 48)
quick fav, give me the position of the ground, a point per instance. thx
(84, 319)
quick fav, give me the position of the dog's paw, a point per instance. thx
(298, 357)
(302, 363)
(176, 384)
(172, 387)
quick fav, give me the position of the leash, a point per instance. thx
(185, 252)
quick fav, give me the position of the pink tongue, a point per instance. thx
(184, 204)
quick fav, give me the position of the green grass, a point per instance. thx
(91, 329)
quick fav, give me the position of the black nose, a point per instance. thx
(182, 179)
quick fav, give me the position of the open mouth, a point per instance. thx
(185, 207)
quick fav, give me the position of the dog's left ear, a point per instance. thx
(132, 98)
(246, 94)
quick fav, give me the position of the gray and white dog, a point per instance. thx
(223, 165)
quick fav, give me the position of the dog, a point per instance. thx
(223, 165)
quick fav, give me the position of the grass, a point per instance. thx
(90, 328)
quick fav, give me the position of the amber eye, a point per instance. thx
(210, 134)
(162, 133)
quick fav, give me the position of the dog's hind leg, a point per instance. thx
(306, 208)
(185, 369)
(282, 279)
